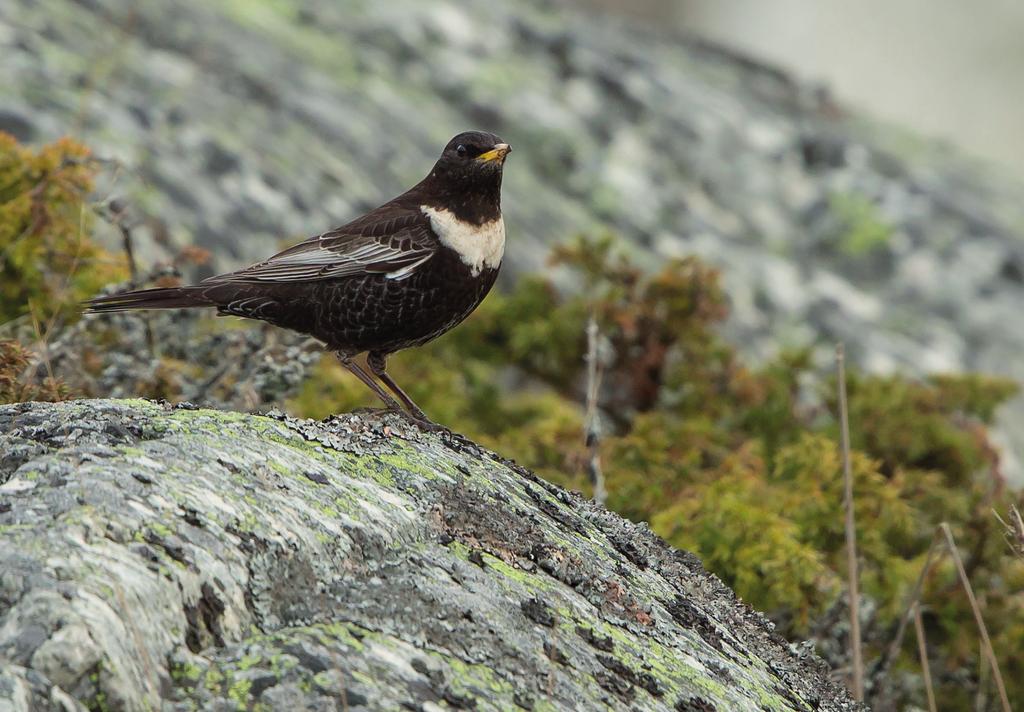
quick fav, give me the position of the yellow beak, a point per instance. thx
(497, 153)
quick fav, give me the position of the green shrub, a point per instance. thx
(48, 262)
(738, 464)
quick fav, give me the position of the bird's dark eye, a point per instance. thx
(461, 150)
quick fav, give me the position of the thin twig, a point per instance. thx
(922, 651)
(980, 698)
(118, 215)
(42, 336)
(982, 630)
(593, 423)
(1014, 530)
(851, 532)
(894, 648)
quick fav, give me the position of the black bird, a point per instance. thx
(399, 276)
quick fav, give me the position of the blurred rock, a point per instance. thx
(244, 124)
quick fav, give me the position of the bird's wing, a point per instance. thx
(392, 243)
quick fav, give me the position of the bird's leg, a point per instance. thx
(357, 370)
(378, 364)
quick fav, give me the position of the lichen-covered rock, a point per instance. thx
(158, 557)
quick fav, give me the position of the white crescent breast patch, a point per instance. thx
(478, 246)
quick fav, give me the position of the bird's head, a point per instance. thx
(473, 157)
(466, 179)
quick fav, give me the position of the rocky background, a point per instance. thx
(240, 125)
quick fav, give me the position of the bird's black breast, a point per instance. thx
(373, 312)
(377, 313)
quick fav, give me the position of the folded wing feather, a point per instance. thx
(348, 251)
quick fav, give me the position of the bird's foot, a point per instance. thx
(452, 440)
(421, 421)
(449, 438)
(418, 418)
(418, 413)
(429, 426)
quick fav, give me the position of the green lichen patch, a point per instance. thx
(265, 564)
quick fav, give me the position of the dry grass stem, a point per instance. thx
(851, 532)
(922, 651)
(593, 424)
(982, 629)
(915, 596)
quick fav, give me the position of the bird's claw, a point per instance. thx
(429, 426)
(450, 439)
(421, 421)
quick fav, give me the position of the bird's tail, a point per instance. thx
(163, 298)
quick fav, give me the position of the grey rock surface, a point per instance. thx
(171, 558)
(242, 124)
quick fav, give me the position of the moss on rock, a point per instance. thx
(216, 561)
